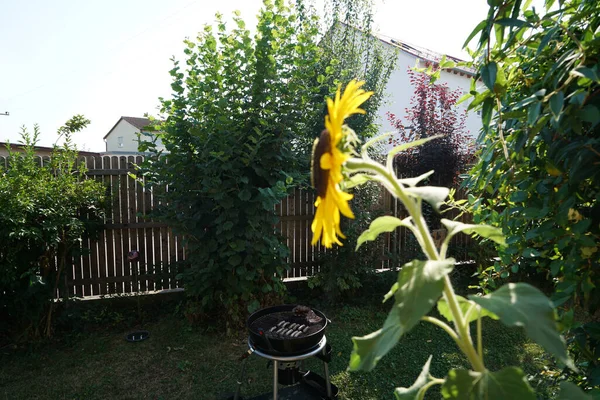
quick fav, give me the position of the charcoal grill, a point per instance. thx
(286, 335)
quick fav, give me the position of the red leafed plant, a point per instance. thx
(433, 111)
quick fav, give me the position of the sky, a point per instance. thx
(107, 59)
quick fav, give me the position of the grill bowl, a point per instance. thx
(284, 346)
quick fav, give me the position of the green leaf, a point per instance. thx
(479, 98)
(590, 114)
(475, 31)
(486, 111)
(406, 146)
(533, 112)
(520, 304)
(508, 383)
(488, 74)
(570, 391)
(376, 139)
(244, 195)
(357, 180)
(415, 391)
(556, 103)
(486, 231)
(585, 72)
(460, 384)
(415, 181)
(434, 195)
(464, 305)
(391, 292)
(253, 306)
(382, 224)
(512, 22)
(235, 259)
(420, 284)
(530, 253)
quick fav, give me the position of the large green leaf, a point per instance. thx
(486, 231)
(420, 284)
(414, 392)
(570, 391)
(508, 383)
(520, 304)
(434, 195)
(379, 225)
(460, 384)
(488, 74)
(464, 305)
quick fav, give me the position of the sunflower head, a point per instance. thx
(330, 152)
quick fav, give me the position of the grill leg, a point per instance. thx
(275, 378)
(327, 381)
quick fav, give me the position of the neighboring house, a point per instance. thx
(39, 150)
(400, 89)
(124, 137)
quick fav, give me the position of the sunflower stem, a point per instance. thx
(428, 246)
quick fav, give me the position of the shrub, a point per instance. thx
(45, 207)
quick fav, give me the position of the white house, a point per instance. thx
(400, 90)
(124, 136)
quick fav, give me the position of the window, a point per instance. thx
(120, 141)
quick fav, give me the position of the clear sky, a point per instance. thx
(107, 59)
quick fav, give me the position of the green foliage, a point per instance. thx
(422, 283)
(45, 208)
(537, 175)
(240, 116)
(507, 383)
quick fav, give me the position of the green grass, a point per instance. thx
(181, 362)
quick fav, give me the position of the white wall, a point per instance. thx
(129, 134)
(130, 139)
(399, 92)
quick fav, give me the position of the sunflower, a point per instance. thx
(330, 152)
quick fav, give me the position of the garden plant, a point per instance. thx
(537, 175)
(45, 208)
(238, 131)
(423, 284)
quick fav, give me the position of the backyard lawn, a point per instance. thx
(184, 362)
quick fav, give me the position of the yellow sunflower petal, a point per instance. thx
(334, 203)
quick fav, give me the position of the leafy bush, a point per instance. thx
(537, 174)
(45, 207)
(433, 111)
(238, 132)
(237, 112)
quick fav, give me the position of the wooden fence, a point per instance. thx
(104, 268)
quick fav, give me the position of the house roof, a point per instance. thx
(423, 53)
(415, 50)
(139, 123)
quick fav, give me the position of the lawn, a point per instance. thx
(184, 362)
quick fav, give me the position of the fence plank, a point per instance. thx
(124, 201)
(139, 211)
(116, 218)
